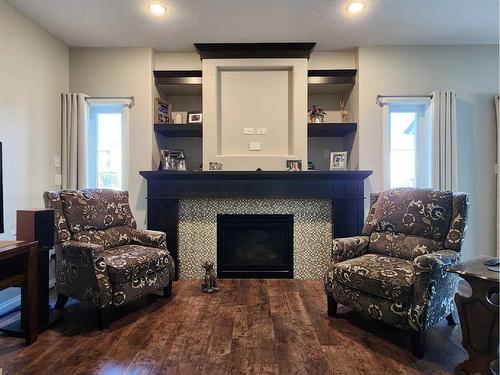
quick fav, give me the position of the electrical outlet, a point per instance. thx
(326, 154)
(254, 146)
(57, 161)
(261, 131)
(248, 131)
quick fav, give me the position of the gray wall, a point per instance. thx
(471, 71)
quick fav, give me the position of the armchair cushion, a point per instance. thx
(401, 245)
(419, 212)
(348, 248)
(108, 238)
(129, 262)
(382, 276)
(96, 209)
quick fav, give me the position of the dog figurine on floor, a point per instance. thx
(210, 284)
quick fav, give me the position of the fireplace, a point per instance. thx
(255, 246)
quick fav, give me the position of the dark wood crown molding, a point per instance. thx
(254, 50)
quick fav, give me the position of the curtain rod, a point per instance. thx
(131, 98)
(379, 102)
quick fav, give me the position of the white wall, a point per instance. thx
(33, 74)
(122, 72)
(177, 61)
(472, 71)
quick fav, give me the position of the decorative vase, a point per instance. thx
(318, 120)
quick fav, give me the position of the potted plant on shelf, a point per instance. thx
(317, 114)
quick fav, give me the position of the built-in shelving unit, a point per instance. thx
(325, 87)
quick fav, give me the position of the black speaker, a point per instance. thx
(36, 225)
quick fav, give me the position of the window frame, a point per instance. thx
(422, 109)
(107, 106)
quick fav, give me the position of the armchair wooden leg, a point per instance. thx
(418, 344)
(61, 301)
(453, 318)
(167, 291)
(104, 317)
(332, 306)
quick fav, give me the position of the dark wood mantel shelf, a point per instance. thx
(165, 188)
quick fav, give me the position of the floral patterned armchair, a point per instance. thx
(396, 270)
(101, 256)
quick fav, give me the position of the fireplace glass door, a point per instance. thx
(255, 246)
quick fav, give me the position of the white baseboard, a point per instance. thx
(10, 304)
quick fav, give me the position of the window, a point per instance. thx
(408, 145)
(105, 147)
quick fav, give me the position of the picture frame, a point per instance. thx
(294, 165)
(214, 166)
(179, 117)
(163, 111)
(338, 160)
(195, 118)
(173, 160)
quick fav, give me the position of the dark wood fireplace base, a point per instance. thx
(166, 188)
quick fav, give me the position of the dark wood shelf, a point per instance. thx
(313, 130)
(254, 50)
(179, 130)
(331, 81)
(331, 129)
(178, 82)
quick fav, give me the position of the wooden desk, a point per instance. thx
(19, 268)
(478, 316)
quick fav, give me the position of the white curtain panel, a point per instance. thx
(74, 114)
(444, 140)
(497, 106)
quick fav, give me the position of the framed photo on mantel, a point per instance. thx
(338, 161)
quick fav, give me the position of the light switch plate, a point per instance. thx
(58, 180)
(57, 161)
(248, 131)
(261, 130)
(254, 146)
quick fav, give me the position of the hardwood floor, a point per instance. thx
(250, 326)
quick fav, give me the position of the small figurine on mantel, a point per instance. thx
(210, 283)
(343, 113)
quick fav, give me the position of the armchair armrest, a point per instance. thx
(82, 272)
(77, 249)
(348, 248)
(436, 260)
(434, 288)
(150, 238)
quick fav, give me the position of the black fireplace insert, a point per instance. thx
(255, 246)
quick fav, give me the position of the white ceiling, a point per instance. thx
(128, 23)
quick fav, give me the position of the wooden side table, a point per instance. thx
(478, 316)
(19, 268)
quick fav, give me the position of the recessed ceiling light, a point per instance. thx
(355, 7)
(157, 9)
